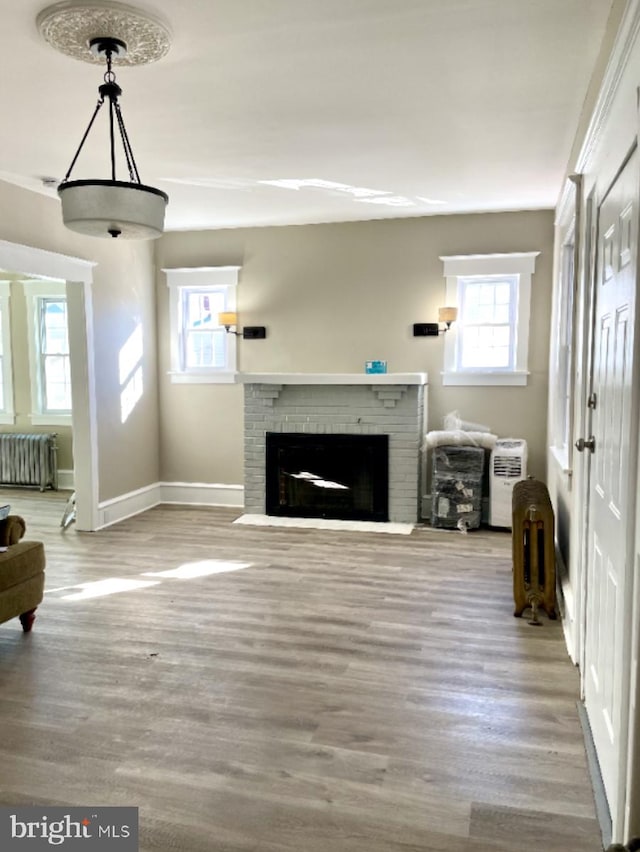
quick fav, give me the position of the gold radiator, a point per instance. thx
(534, 557)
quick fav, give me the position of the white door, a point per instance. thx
(611, 490)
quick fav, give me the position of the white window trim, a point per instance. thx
(33, 291)
(8, 414)
(561, 448)
(202, 276)
(517, 263)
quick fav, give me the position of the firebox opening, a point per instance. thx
(341, 477)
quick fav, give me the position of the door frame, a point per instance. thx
(583, 415)
(78, 274)
(629, 734)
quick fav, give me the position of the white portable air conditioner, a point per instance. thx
(508, 466)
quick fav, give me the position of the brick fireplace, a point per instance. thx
(392, 404)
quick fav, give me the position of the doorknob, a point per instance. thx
(588, 444)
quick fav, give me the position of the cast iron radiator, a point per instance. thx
(534, 557)
(29, 459)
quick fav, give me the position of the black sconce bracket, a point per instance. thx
(426, 329)
(249, 332)
(254, 332)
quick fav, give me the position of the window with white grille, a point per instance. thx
(488, 343)
(49, 358)
(487, 317)
(53, 349)
(201, 349)
(203, 340)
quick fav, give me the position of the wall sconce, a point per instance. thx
(432, 329)
(447, 316)
(249, 332)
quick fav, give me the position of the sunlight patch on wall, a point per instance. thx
(130, 369)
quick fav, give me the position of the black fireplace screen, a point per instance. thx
(342, 477)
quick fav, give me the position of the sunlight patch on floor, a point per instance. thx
(110, 586)
(199, 569)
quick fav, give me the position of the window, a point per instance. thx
(201, 349)
(564, 337)
(203, 340)
(53, 344)
(487, 306)
(50, 364)
(564, 353)
(6, 382)
(488, 343)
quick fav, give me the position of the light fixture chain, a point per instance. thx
(112, 142)
(84, 138)
(128, 152)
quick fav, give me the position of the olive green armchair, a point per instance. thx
(21, 573)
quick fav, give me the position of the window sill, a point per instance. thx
(462, 379)
(7, 418)
(50, 419)
(222, 378)
(561, 457)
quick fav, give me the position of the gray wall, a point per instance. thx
(333, 296)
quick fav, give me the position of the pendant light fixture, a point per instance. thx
(108, 207)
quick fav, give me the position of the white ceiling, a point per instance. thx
(433, 106)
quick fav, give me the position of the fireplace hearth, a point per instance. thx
(341, 477)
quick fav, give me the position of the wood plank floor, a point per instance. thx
(257, 689)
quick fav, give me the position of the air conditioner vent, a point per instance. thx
(507, 466)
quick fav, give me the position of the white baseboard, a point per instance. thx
(202, 494)
(66, 480)
(566, 606)
(179, 493)
(126, 505)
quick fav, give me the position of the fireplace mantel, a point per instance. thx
(334, 378)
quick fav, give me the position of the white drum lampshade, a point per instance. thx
(105, 208)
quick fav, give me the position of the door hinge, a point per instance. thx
(592, 401)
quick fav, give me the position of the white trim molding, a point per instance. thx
(209, 378)
(566, 605)
(127, 505)
(222, 277)
(178, 493)
(78, 274)
(45, 264)
(66, 480)
(7, 416)
(51, 419)
(454, 378)
(625, 41)
(521, 264)
(202, 494)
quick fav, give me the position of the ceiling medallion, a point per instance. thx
(73, 25)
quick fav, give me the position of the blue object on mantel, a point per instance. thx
(375, 367)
